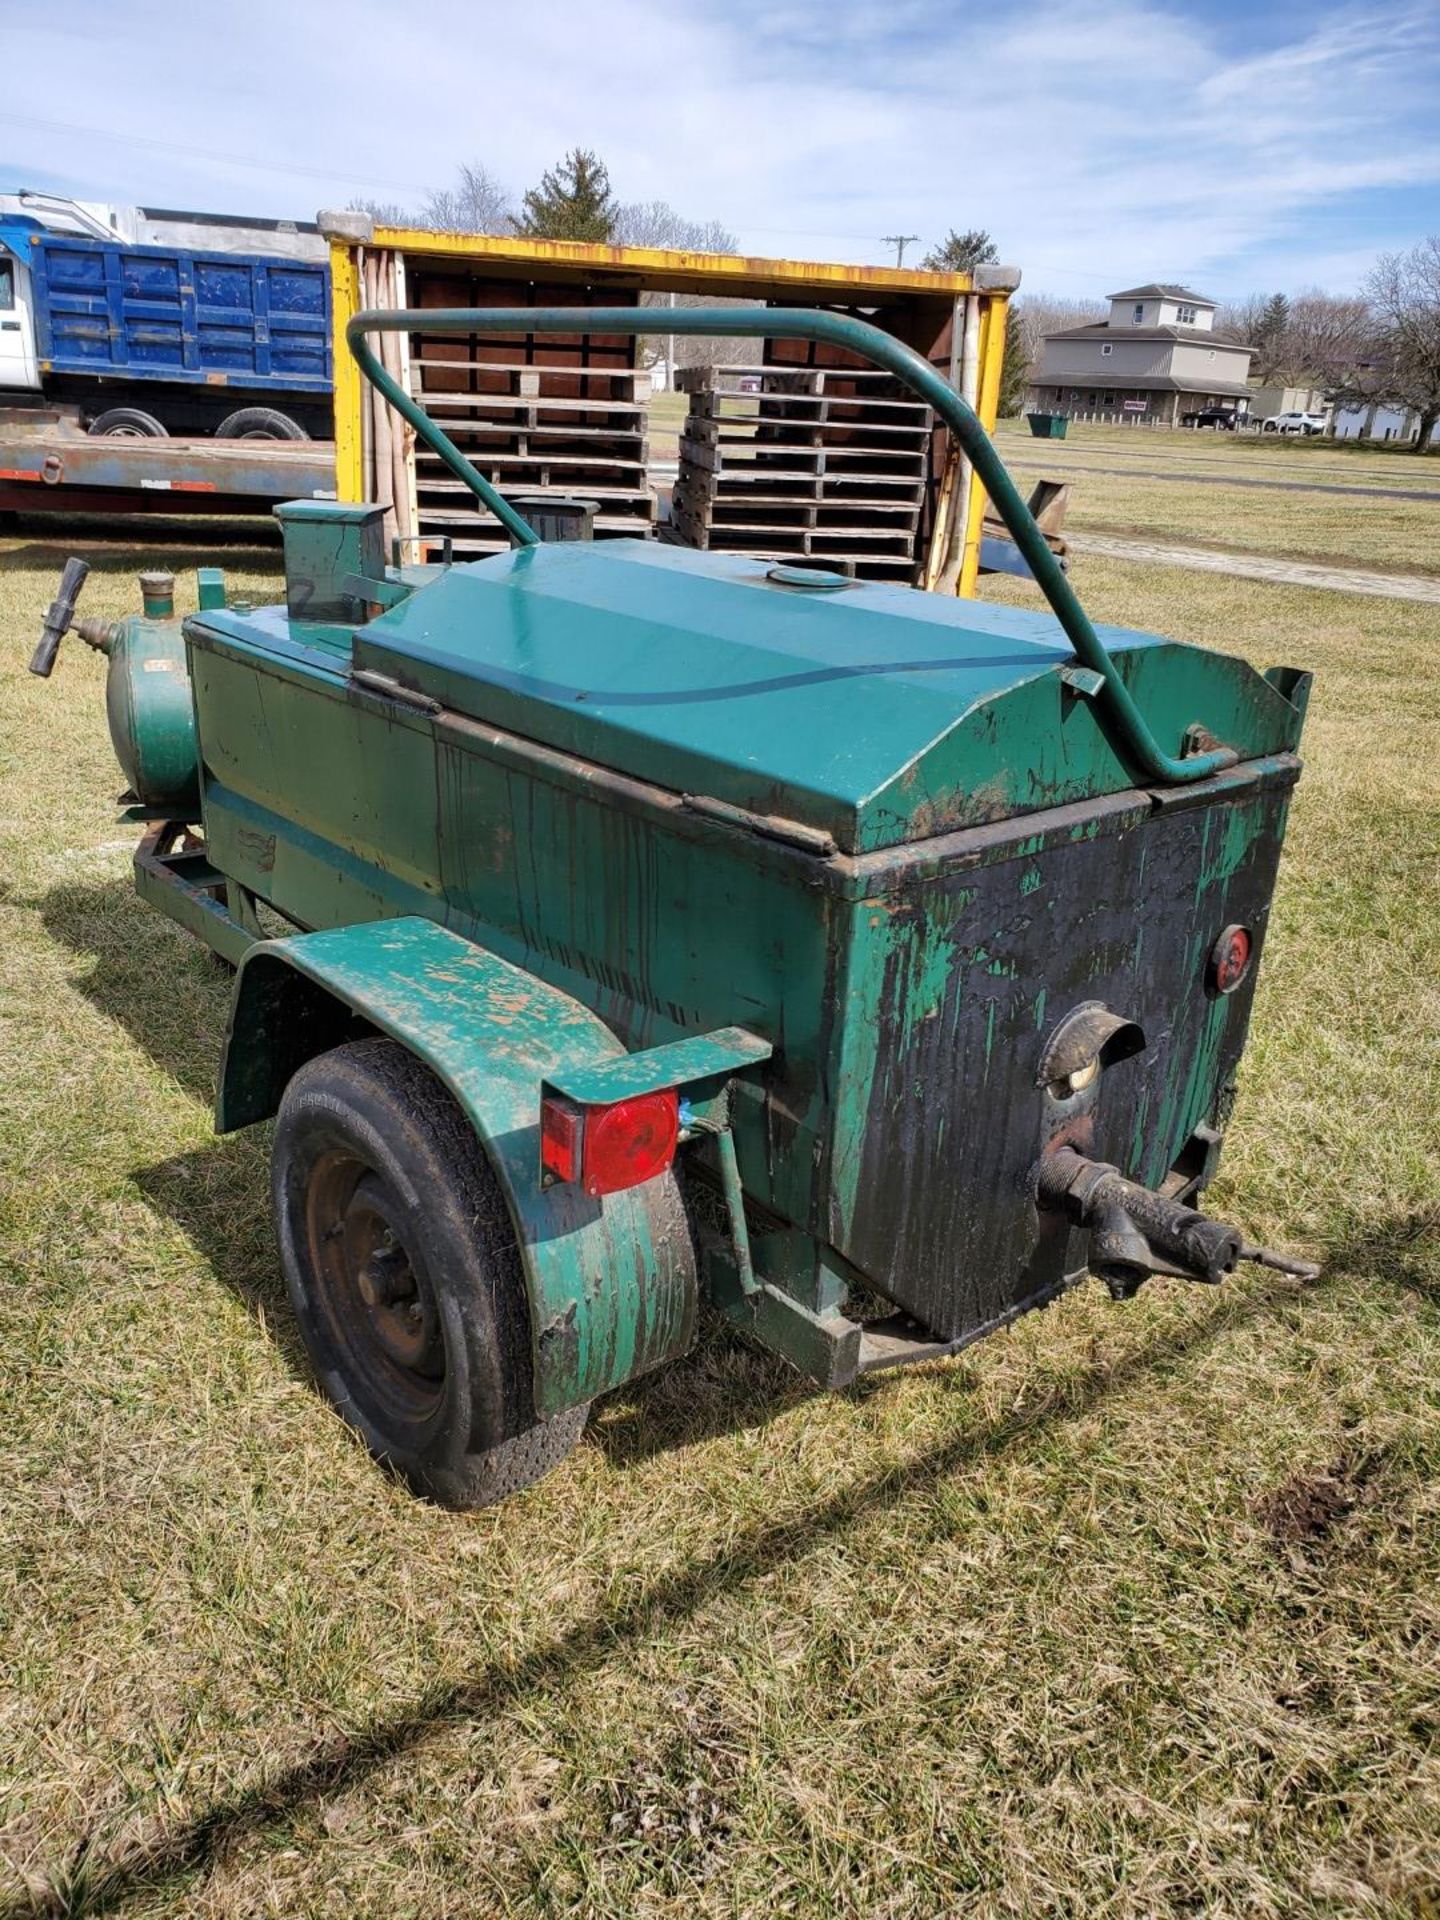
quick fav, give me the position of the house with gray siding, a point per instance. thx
(1155, 359)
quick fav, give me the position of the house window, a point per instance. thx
(1109, 400)
(1185, 316)
(1109, 347)
(1137, 313)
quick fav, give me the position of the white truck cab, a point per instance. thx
(18, 368)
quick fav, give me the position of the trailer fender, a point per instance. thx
(611, 1283)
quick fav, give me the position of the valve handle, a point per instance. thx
(57, 620)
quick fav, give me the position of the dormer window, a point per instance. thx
(1185, 316)
(1137, 313)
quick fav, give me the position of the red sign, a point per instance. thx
(1135, 406)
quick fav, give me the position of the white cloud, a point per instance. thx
(1099, 142)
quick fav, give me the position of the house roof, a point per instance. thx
(1156, 291)
(1145, 383)
(1102, 330)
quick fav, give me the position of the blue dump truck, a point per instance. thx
(145, 324)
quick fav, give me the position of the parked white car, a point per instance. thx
(1295, 423)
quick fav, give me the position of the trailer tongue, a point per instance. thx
(619, 925)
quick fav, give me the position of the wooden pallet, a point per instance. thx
(703, 529)
(553, 416)
(816, 461)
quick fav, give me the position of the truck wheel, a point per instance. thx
(128, 423)
(259, 423)
(406, 1279)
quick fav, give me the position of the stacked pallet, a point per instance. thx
(538, 417)
(804, 460)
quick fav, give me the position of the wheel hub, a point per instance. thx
(378, 1296)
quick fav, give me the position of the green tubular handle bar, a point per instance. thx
(789, 323)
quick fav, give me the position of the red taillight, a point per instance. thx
(629, 1142)
(1230, 958)
(609, 1148)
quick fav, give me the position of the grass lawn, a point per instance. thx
(1112, 491)
(1331, 529)
(1132, 1612)
(1353, 462)
(666, 418)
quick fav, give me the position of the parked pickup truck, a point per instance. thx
(146, 325)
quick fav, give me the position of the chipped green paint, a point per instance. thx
(612, 1284)
(628, 811)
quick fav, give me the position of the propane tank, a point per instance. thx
(147, 687)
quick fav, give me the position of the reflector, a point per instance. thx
(629, 1142)
(560, 1131)
(1230, 958)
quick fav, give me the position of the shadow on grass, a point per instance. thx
(723, 1385)
(219, 1197)
(1404, 1251)
(166, 990)
(89, 1883)
(116, 544)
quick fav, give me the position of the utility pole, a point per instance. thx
(899, 241)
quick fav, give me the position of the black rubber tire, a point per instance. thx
(128, 423)
(259, 423)
(470, 1437)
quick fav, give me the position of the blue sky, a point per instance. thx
(1234, 146)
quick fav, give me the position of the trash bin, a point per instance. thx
(554, 517)
(1048, 426)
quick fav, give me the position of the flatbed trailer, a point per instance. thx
(52, 469)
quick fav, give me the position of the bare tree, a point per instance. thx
(386, 213)
(1313, 339)
(655, 223)
(477, 203)
(1037, 314)
(1241, 321)
(1405, 291)
(1325, 336)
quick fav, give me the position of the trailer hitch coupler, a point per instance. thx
(1135, 1231)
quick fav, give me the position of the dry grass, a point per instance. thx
(1261, 455)
(1333, 530)
(1112, 491)
(1130, 1613)
(664, 420)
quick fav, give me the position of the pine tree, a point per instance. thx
(572, 202)
(1269, 339)
(962, 252)
(1273, 320)
(1015, 367)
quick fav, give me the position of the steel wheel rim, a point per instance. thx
(373, 1291)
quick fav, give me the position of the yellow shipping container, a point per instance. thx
(956, 320)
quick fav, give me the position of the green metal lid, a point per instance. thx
(813, 579)
(877, 715)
